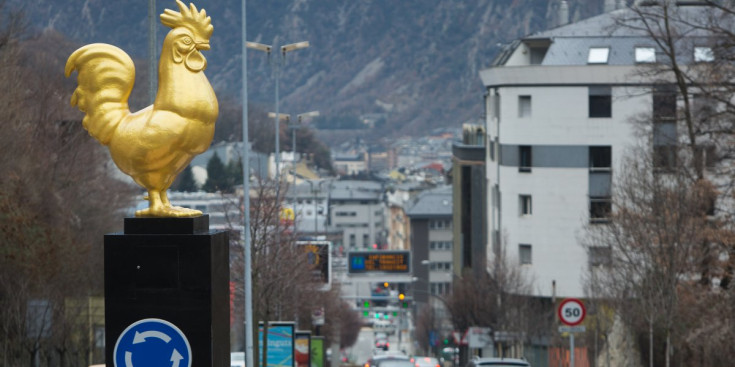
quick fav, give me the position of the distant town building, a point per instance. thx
(358, 209)
(469, 195)
(430, 215)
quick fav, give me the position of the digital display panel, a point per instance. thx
(378, 262)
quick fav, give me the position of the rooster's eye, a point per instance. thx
(187, 40)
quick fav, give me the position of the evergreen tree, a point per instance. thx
(185, 182)
(216, 176)
(234, 172)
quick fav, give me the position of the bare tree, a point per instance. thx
(499, 298)
(670, 239)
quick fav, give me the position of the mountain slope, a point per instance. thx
(416, 61)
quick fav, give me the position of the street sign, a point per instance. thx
(317, 259)
(152, 342)
(572, 329)
(361, 262)
(459, 338)
(478, 337)
(571, 312)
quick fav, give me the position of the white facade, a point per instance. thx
(540, 96)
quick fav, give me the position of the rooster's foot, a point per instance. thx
(171, 211)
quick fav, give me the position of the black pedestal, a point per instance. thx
(172, 269)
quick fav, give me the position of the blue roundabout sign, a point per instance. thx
(152, 343)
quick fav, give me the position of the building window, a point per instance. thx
(440, 224)
(525, 204)
(599, 256)
(524, 254)
(705, 156)
(645, 55)
(525, 159)
(598, 55)
(665, 136)
(524, 106)
(600, 102)
(703, 54)
(600, 158)
(600, 209)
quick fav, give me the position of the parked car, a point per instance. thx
(498, 362)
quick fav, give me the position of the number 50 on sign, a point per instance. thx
(571, 312)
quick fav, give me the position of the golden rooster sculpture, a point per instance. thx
(156, 143)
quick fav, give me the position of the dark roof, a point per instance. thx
(432, 203)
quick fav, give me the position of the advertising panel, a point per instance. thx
(280, 344)
(317, 351)
(302, 342)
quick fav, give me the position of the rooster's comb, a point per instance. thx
(191, 18)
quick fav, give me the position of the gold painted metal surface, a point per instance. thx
(155, 144)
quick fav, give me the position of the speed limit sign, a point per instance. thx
(571, 311)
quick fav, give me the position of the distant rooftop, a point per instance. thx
(432, 203)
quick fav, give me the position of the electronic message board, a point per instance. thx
(378, 262)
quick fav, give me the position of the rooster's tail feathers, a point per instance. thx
(105, 80)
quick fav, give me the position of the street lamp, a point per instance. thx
(299, 119)
(277, 74)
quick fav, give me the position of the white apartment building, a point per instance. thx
(560, 105)
(358, 209)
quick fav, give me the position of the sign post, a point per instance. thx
(571, 313)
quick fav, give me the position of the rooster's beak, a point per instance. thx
(202, 46)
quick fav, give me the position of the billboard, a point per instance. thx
(317, 351)
(280, 344)
(361, 262)
(317, 256)
(302, 343)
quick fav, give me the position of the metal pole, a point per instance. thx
(316, 217)
(247, 276)
(152, 64)
(277, 67)
(571, 349)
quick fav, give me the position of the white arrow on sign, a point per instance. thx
(176, 357)
(140, 337)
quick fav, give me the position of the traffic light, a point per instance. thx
(366, 304)
(405, 304)
(395, 313)
(366, 312)
(386, 285)
(401, 296)
(446, 341)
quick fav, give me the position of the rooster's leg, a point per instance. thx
(155, 207)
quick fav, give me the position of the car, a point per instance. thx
(378, 360)
(420, 361)
(396, 363)
(382, 344)
(498, 362)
